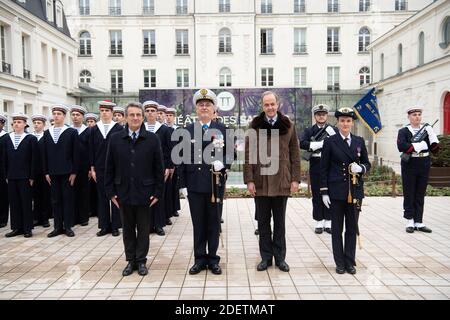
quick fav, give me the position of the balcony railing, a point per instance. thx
(85, 11)
(266, 49)
(26, 74)
(115, 11)
(6, 67)
(224, 7)
(301, 8)
(182, 49)
(401, 5)
(333, 7)
(181, 9)
(224, 48)
(334, 87)
(149, 11)
(300, 48)
(266, 8)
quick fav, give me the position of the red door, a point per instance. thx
(447, 113)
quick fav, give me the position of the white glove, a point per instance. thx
(419, 146)
(356, 168)
(218, 165)
(326, 200)
(316, 145)
(330, 131)
(184, 192)
(432, 135)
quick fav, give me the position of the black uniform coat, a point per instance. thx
(21, 163)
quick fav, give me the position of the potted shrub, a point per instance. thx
(440, 164)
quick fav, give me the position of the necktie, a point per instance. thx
(271, 122)
(133, 135)
(56, 132)
(205, 127)
(106, 129)
(16, 140)
(347, 141)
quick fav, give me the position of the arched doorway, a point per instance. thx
(447, 113)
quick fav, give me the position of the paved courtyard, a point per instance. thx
(391, 265)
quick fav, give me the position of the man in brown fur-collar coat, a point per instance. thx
(273, 178)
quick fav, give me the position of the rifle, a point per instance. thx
(418, 137)
(356, 203)
(319, 136)
(215, 196)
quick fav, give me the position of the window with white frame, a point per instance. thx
(115, 7)
(333, 78)
(267, 77)
(26, 56)
(363, 39)
(115, 48)
(85, 44)
(333, 40)
(225, 40)
(266, 6)
(182, 37)
(225, 77)
(421, 55)
(364, 76)
(299, 6)
(400, 58)
(116, 81)
(49, 9)
(150, 78)
(300, 40)
(333, 5)
(148, 7)
(364, 5)
(266, 41)
(224, 6)
(149, 42)
(59, 15)
(5, 67)
(182, 7)
(182, 78)
(85, 8)
(85, 77)
(382, 66)
(400, 5)
(300, 77)
(445, 33)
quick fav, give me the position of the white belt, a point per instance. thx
(316, 155)
(420, 155)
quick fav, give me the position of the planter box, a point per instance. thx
(439, 177)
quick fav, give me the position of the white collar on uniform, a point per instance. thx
(101, 127)
(410, 128)
(80, 129)
(50, 130)
(349, 137)
(23, 135)
(2, 133)
(38, 135)
(157, 126)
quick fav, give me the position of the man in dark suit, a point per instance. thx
(4, 202)
(344, 156)
(320, 213)
(108, 216)
(204, 177)
(134, 182)
(20, 159)
(159, 219)
(41, 190)
(82, 183)
(60, 163)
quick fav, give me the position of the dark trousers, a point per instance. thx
(4, 201)
(20, 197)
(415, 180)
(176, 192)
(108, 214)
(168, 198)
(343, 253)
(206, 222)
(158, 218)
(272, 247)
(136, 232)
(62, 195)
(93, 201)
(320, 212)
(41, 200)
(81, 198)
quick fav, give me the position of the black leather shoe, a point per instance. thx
(424, 229)
(168, 222)
(256, 232)
(350, 269)
(160, 232)
(221, 220)
(36, 223)
(215, 268)
(318, 230)
(2, 225)
(115, 233)
(45, 224)
(70, 233)
(176, 214)
(14, 233)
(128, 269)
(28, 234)
(283, 266)
(263, 265)
(340, 270)
(410, 229)
(328, 230)
(84, 224)
(102, 232)
(142, 269)
(196, 268)
(54, 233)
